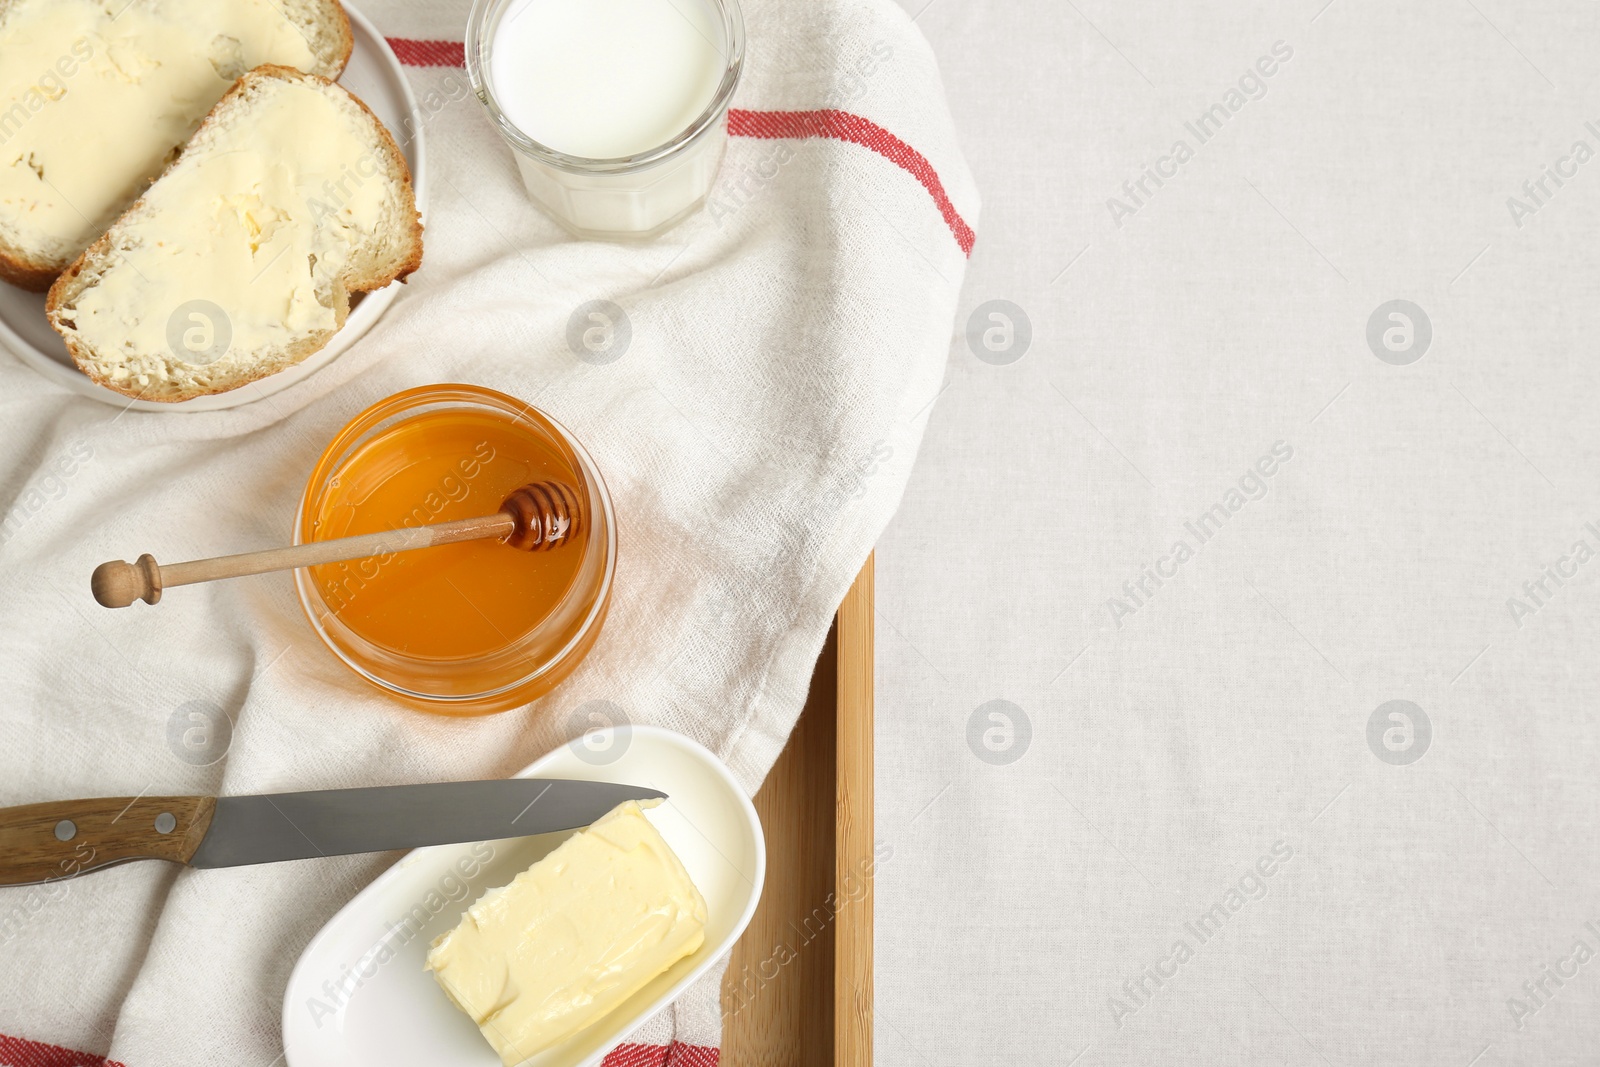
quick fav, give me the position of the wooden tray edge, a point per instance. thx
(852, 961)
(798, 988)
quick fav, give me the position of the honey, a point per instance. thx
(463, 628)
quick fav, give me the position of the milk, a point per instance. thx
(606, 78)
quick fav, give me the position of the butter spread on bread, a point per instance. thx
(95, 95)
(240, 260)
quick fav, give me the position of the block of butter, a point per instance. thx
(572, 937)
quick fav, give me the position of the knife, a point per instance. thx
(62, 839)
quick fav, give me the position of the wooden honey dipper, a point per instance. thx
(535, 518)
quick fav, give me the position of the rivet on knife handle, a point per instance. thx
(59, 839)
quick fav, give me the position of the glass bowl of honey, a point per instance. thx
(467, 628)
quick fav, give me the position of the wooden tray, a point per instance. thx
(798, 991)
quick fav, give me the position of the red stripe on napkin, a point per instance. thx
(676, 1054)
(20, 1052)
(830, 123)
(429, 53)
(844, 126)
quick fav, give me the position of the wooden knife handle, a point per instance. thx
(42, 842)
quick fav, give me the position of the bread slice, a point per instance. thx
(96, 95)
(240, 260)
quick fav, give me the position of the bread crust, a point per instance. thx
(347, 37)
(25, 273)
(36, 274)
(65, 287)
(414, 220)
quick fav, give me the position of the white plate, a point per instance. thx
(374, 75)
(394, 1013)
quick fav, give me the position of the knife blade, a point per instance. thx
(63, 839)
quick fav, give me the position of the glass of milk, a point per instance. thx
(616, 110)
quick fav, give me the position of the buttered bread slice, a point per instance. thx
(240, 260)
(96, 95)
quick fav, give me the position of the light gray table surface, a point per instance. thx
(1080, 874)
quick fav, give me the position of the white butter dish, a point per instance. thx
(359, 993)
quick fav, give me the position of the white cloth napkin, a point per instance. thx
(786, 348)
